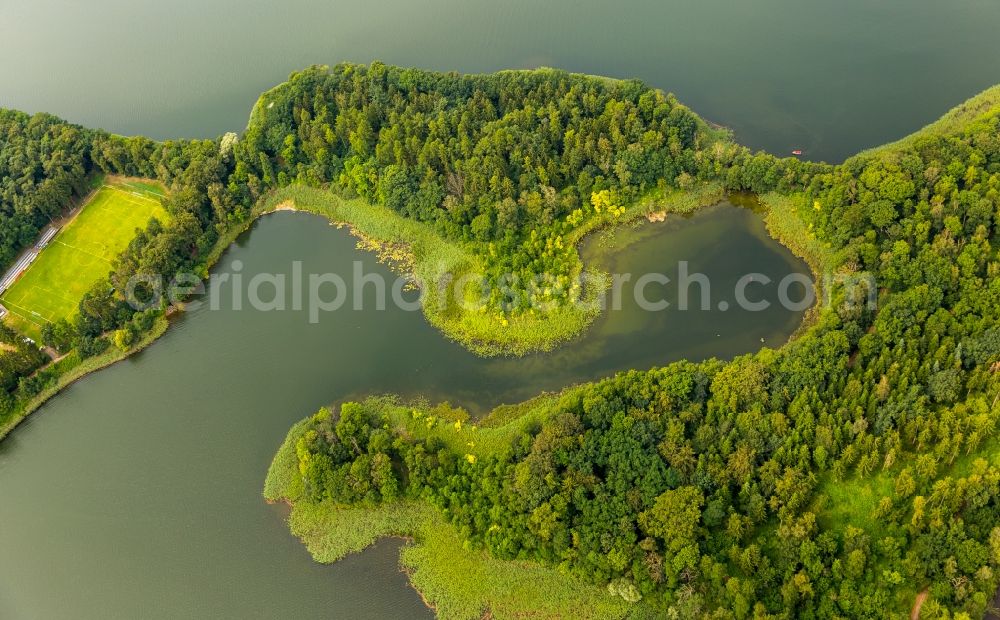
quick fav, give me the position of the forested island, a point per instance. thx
(850, 473)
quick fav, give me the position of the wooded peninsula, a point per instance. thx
(849, 473)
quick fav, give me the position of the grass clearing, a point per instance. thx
(81, 253)
(437, 263)
(490, 436)
(853, 501)
(455, 580)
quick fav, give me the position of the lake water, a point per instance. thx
(137, 491)
(829, 78)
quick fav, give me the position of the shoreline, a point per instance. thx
(445, 574)
(87, 366)
(313, 522)
(410, 246)
(527, 341)
(785, 226)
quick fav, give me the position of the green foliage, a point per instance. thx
(18, 357)
(457, 581)
(44, 163)
(511, 166)
(674, 519)
(348, 458)
(831, 478)
(436, 264)
(834, 477)
(80, 255)
(90, 355)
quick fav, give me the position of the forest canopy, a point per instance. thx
(44, 162)
(732, 489)
(509, 164)
(705, 489)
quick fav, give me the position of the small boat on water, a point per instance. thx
(797, 152)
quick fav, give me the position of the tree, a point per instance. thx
(674, 519)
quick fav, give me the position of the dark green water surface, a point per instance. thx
(830, 78)
(136, 492)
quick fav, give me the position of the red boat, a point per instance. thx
(796, 152)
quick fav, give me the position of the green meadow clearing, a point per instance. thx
(81, 253)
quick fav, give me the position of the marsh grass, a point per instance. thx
(437, 262)
(482, 440)
(283, 481)
(456, 580)
(786, 224)
(465, 583)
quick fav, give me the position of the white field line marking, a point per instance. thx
(22, 265)
(46, 291)
(25, 310)
(131, 192)
(73, 247)
(127, 197)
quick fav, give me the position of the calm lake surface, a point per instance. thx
(137, 491)
(830, 78)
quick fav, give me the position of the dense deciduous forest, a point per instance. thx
(727, 488)
(723, 489)
(44, 162)
(506, 162)
(509, 163)
(503, 164)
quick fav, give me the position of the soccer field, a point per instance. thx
(81, 254)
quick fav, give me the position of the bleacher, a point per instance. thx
(26, 259)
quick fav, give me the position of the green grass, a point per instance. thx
(433, 258)
(853, 501)
(454, 579)
(143, 186)
(468, 583)
(786, 226)
(81, 254)
(490, 436)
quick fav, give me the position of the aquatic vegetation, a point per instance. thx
(836, 476)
